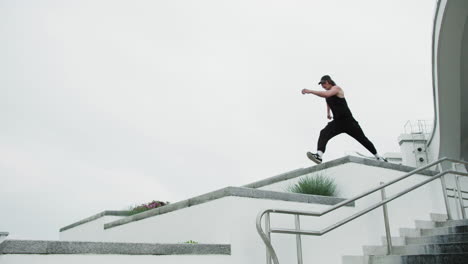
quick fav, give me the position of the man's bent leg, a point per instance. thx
(354, 129)
(331, 130)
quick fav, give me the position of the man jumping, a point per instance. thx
(343, 120)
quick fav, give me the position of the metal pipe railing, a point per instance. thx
(271, 255)
(444, 191)
(453, 189)
(387, 225)
(460, 196)
(298, 240)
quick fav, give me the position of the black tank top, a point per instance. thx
(339, 107)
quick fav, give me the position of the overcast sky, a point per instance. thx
(106, 104)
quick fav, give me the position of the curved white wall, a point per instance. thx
(450, 58)
(464, 91)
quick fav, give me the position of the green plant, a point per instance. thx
(144, 207)
(191, 242)
(318, 185)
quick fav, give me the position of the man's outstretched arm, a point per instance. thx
(333, 91)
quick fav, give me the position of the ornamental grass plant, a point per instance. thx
(316, 185)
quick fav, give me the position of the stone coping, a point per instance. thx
(335, 163)
(225, 192)
(94, 217)
(73, 247)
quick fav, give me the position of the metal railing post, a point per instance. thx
(267, 231)
(387, 225)
(444, 191)
(460, 197)
(298, 240)
(455, 196)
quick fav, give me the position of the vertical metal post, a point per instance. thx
(455, 196)
(460, 197)
(298, 240)
(387, 225)
(267, 231)
(444, 191)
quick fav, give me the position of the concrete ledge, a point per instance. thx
(229, 191)
(334, 163)
(62, 247)
(94, 217)
(3, 236)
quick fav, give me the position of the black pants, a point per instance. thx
(349, 126)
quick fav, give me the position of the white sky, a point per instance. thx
(106, 104)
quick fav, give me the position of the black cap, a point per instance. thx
(325, 78)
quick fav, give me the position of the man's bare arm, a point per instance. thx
(333, 91)
(328, 112)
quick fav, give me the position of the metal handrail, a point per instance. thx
(271, 254)
(452, 189)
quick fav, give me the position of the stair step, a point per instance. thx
(438, 217)
(355, 260)
(419, 249)
(420, 259)
(445, 230)
(435, 224)
(463, 222)
(450, 238)
(396, 241)
(418, 232)
(410, 232)
(427, 224)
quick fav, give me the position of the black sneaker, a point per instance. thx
(314, 157)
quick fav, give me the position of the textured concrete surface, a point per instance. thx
(420, 259)
(334, 163)
(94, 217)
(225, 192)
(62, 247)
(461, 247)
(451, 238)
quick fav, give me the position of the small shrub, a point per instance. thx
(145, 207)
(318, 185)
(191, 242)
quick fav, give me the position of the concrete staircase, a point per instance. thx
(432, 242)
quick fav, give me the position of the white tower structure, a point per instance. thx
(450, 81)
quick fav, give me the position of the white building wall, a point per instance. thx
(90, 231)
(205, 223)
(231, 220)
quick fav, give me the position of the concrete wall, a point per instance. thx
(232, 220)
(90, 231)
(111, 259)
(3, 236)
